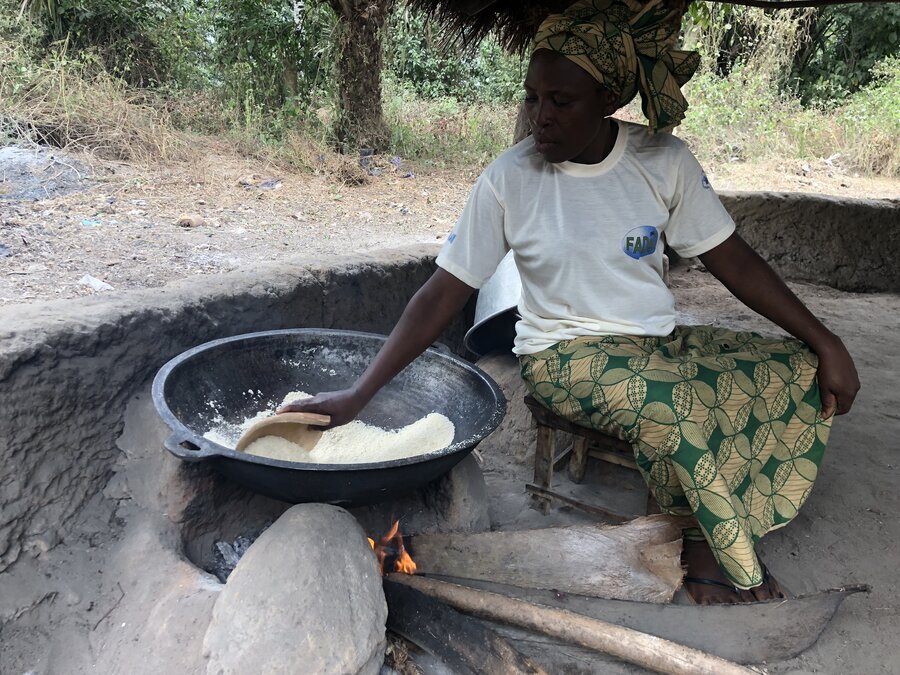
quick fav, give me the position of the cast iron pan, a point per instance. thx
(230, 379)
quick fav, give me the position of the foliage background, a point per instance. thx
(135, 80)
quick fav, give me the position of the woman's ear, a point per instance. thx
(609, 101)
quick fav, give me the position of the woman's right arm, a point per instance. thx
(426, 316)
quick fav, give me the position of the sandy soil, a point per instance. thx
(118, 224)
(115, 564)
(64, 218)
(121, 226)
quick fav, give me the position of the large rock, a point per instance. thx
(305, 598)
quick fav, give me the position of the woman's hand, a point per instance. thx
(342, 406)
(426, 316)
(838, 380)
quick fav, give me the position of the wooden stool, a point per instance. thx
(586, 443)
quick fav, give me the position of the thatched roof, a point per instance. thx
(514, 22)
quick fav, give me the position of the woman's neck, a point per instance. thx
(602, 145)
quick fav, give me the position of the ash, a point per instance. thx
(226, 554)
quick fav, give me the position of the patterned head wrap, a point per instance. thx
(626, 45)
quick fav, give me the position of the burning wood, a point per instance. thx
(391, 544)
(464, 644)
(420, 609)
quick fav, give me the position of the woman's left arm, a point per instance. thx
(754, 283)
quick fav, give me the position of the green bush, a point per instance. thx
(744, 117)
(144, 43)
(257, 74)
(415, 55)
(446, 131)
(841, 47)
(270, 62)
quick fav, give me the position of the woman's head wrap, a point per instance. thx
(626, 45)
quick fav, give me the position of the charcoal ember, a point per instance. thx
(226, 560)
(227, 553)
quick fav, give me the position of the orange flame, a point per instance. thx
(405, 564)
(393, 540)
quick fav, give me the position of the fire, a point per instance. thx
(405, 564)
(392, 543)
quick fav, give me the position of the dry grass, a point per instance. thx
(299, 149)
(75, 105)
(397, 656)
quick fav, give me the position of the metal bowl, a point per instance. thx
(231, 379)
(495, 311)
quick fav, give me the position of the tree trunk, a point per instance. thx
(523, 126)
(360, 122)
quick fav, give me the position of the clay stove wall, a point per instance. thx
(849, 244)
(67, 368)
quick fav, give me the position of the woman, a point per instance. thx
(727, 427)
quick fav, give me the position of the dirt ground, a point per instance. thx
(115, 594)
(72, 226)
(64, 218)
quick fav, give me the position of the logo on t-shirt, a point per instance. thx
(640, 241)
(451, 238)
(705, 182)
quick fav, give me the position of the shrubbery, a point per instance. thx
(416, 57)
(130, 79)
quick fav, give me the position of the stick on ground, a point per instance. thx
(633, 646)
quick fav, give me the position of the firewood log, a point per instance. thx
(643, 649)
(639, 560)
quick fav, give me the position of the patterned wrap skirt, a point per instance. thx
(726, 426)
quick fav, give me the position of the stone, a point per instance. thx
(305, 598)
(456, 502)
(190, 220)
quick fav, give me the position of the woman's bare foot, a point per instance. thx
(700, 563)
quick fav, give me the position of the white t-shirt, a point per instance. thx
(586, 237)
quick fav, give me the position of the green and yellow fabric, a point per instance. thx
(627, 47)
(725, 426)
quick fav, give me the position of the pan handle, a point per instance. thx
(189, 449)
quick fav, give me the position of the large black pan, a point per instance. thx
(233, 378)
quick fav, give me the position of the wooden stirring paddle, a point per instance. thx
(293, 426)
